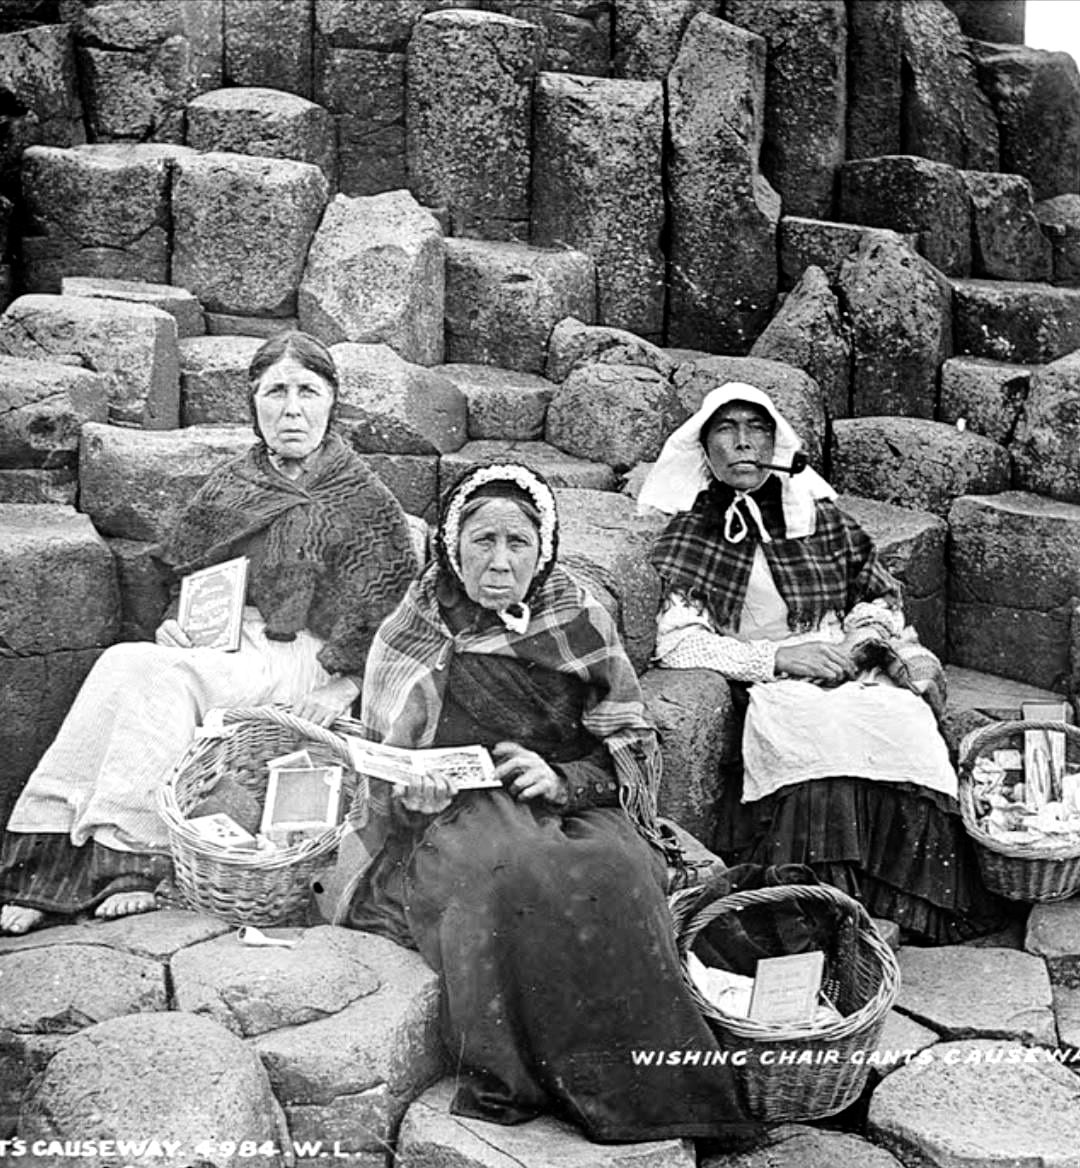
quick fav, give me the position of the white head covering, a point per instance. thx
(682, 471)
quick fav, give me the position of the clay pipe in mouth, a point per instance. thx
(799, 463)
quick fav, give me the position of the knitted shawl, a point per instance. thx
(334, 554)
(829, 570)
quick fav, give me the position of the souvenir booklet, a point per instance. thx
(786, 988)
(302, 802)
(469, 766)
(212, 604)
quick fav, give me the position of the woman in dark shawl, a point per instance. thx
(768, 582)
(329, 556)
(542, 904)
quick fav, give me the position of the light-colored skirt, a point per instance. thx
(796, 731)
(133, 719)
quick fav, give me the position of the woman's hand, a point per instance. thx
(171, 635)
(428, 794)
(815, 659)
(327, 702)
(526, 775)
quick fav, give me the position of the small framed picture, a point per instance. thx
(212, 605)
(301, 802)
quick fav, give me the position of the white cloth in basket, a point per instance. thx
(132, 720)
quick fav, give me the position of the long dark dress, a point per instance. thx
(551, 932)
(899, 848)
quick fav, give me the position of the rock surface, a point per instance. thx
(432, 1137)
(1020, 323)
(213, 379)
(1046, 442)
(242, 229)
(42, 408)
(898, 308)
(916, 463)
(169, 1077)
(375, 273)
(597, 188)
(791, 1145)
(133, 346)
(723, 212)
(177, 302)
(502, 404)
(269, 43)
(618, 414)
(503, 299)
(988, 396)
(1060, 220)
(1007, 241)
(935, 991)
(559, 468)
(468, 118)
(573, 343)
(978, 1102)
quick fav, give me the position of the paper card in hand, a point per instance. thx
(470, 766)
(212, 604)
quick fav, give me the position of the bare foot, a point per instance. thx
(125, 904)
(16, 919)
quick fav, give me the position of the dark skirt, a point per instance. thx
(898, 848)
(46, 871)
(553, 940)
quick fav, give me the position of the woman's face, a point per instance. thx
(498, 551)
(741, 436)
(292, 407)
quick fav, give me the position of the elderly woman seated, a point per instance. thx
(329, 556)
(768, 582)
(541, 903)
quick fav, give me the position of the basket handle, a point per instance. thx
(982, 736)
(282, 717)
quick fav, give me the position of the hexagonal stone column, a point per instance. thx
(139, 65)
(916, 463)
(213, 379)
(805, 96)
(347, 1050)
(469, 111)
(134, 484)
(432, 1137)
(1060, 221)
(980, 1101)
(172, 1077)
(269, 42)
(1008, 242)
(387, 405)
(242, 229)
(1014, 560)
(97, 210)
(265, 122)
(987, 395)
(946, 115)
(1046, 446)
(504, 299)
(723, 213)
(502, 404)
(909, 194)
(375, 272)
(597, 187)
(1036, 98)
(1019, 323)
(133, 346)
(898, 305)
(177, 302)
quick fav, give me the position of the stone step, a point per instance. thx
(502, 404)
(559, 468)
(1021, 323)
(432, 1137)
(178, 302)
(986, 395)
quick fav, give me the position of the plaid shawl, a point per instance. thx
(568, 631)
(829, 570)
(336, 554)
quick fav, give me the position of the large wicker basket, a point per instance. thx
(1028, 872)
(778, 1085)
(239, 885)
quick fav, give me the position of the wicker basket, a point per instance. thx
(1029, 872)
(863, 989)
(245, 887)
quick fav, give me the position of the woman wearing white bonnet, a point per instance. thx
(768, 582)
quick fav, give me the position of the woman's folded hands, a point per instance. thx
(816, 660)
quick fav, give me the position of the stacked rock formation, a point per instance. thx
(543, 231)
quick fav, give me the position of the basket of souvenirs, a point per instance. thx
(1020, 800)
(255, 808)
(808, 1054)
